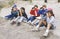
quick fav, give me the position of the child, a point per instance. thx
(48, 23)
(33, 13)
(42, 12)
(22, 16)
(14, 13)
(37, 18)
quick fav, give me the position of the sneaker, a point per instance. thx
(45, 34)
(18, 24)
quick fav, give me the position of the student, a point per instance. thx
(33, 13)
(22, 16)
(42, 12)
(37, 18)
(48, 23)
(14, 13)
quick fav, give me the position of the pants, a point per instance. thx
(10, 16)
(32, 18)
(20, 19)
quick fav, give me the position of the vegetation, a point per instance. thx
(6, 3)
(11, 2)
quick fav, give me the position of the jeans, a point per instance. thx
(10, 16)
(32, 18)
(20, 19)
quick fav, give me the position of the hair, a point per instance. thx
(44, 6)
(12, 8)
(51, 12)
(36, 6)
(32, 7)
(41, 7)
(22, 8)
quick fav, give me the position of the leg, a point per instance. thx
(34, 21)
(8, 16)
(20, 20)
(41, 23)
(47, 30)
(15, 20)
(31, 19)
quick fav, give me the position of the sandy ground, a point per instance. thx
(8, 31)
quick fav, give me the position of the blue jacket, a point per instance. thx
(42, 11)
(14, 13)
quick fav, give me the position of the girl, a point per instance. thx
(42, 12)
(33, 13)
(22, 16)
(48, 23)
(14, 13)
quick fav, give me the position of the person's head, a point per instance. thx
(22, 9)
(13, 9)
(50, 13)
(41, 8)
(32, 8)
(35, 6)
(44, 6)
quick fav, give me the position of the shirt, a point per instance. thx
(14, 12)
(51, 20)
(42, 11)
(34, 12)
(24, 15)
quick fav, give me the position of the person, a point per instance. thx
(37, 18)
(33, 13)
(42, 12)
(21, 17)
(49, 23)
(14, 14)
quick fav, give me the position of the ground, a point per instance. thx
(8, 31)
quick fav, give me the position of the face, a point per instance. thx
(21, 10)
(48, 14)
(14, 9)
(44, 7)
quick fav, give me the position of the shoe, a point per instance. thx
(13, 23)
(18, 24)
(45, 34)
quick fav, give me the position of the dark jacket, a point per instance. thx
(24, 15)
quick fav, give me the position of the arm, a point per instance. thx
(51, 20)
(35, 13)
(20, 12)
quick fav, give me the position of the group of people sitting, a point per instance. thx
(39, 17)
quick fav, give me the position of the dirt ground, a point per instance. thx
(8, 31)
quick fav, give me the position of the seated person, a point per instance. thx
(42, 12)
(33, 13)
(22, 16)
(14, 14)
(49, 23)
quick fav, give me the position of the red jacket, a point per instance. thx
(32, 12)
